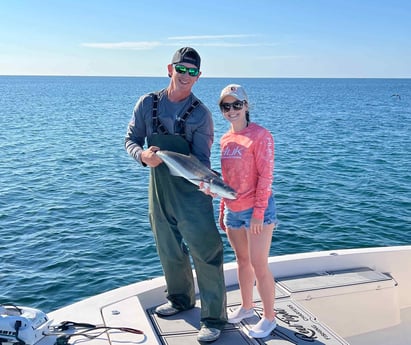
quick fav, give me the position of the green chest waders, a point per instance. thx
(182, 220)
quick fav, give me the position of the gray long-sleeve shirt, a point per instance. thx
(199, 126)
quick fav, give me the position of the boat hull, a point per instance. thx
(331, 297)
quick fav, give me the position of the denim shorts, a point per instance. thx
(237, 220)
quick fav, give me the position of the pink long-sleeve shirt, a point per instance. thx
(247, 164)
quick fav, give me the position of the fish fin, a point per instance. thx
(203, 185)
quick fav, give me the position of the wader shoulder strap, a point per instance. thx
(157, 125)
(180, 124)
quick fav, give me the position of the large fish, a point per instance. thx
(196, 172)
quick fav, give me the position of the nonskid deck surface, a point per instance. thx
(300, 305)
(294, 326)
(295, 323)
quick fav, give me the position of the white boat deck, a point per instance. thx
(327, 308)
(356, 297)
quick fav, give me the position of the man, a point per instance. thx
(180, 216)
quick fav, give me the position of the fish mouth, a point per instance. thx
(231, 196)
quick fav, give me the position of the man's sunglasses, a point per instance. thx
(192, 71)
(237, 105)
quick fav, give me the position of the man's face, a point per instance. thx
(184, 75)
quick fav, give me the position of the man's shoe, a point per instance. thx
(208, 334)
(239, 314)
(166, 309)
(263, 328)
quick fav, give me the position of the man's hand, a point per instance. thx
(150, 158)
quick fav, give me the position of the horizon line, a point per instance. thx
(209, 77)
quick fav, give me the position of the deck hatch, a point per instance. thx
(332, 279)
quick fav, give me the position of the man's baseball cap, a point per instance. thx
(188, 55)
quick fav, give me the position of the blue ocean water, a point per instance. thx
(73, 205)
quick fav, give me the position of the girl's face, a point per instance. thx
(234, 110)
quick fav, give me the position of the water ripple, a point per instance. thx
(73, 205)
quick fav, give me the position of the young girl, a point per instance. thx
(247, 164)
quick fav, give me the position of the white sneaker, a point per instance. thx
(263, 328)
(239, 314)
(207, 334)
(166, 309)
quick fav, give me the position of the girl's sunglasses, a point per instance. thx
(237, 105)
(192, 71)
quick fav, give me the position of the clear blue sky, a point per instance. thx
(259, 38)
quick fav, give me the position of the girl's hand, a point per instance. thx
(256, 226)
